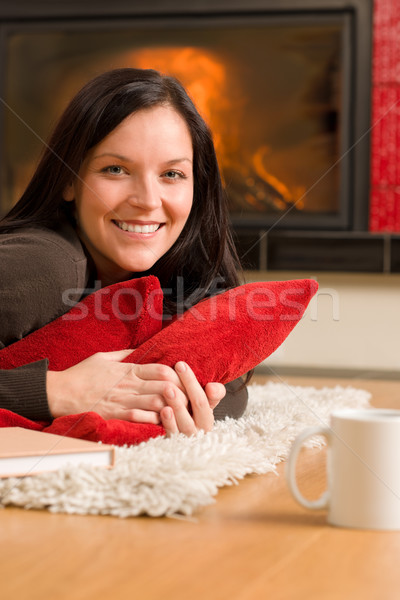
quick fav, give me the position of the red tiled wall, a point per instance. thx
(385, 134)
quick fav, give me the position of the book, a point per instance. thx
(27, 452)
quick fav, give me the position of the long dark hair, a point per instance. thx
(203, 259)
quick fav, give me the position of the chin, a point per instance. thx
(140, 267)
(143, 263)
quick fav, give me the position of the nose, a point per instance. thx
(144, 193)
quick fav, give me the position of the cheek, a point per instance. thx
(182, 216)
(90, 202)
(186, 205)
(88, 216)
(178, 207)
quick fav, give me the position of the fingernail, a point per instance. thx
(180, 366)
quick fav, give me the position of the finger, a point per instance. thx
(144, 416)
(168, 421)
(183, 419)
(150, 402)
(157, 372)
(152, 391)
(215, 392)
(135, 415)
(202, 413)
(117, 355)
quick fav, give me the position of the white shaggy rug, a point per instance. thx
(178, 475)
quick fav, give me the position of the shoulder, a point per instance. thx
(42, 274)
(39, 242)
(44, 254)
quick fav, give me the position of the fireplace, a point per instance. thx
(284, 84)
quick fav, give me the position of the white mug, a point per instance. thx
(363, 466)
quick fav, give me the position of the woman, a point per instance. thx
(128, 186)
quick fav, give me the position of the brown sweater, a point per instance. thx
(36, 267)
(42, 274)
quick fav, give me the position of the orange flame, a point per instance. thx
(202, 74)
(210, 82)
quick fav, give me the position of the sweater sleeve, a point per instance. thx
(39, 281)
(23, 391)
(234, 402)
(42, 274)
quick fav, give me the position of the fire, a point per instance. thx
(200, 71)
(210, 81)
(260, 168)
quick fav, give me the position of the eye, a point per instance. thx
(113, 170)
(174, 175)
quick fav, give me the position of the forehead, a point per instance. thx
(156, 133)
(163, 120)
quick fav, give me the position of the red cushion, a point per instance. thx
(221, 338)
(91, 426)
(117, 317)
(227, 335)
(88, 426)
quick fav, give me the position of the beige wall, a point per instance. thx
(353, 323)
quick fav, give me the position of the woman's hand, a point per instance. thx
(151, 393)
(113, 389)
(176, 417)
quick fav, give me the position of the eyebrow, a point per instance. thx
(120, 156)
(126, 159)
(178, 160)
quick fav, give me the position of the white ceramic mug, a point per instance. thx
(363, 467)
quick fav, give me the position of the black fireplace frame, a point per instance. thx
(347, 246)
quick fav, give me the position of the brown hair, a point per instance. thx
(203, 258)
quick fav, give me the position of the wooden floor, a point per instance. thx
(254, 543)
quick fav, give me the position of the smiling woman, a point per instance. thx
(128, 186)
(134, 192)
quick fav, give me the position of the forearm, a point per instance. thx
(23, 391)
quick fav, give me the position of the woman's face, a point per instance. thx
(134, 192)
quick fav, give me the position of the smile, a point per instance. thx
(137, 228)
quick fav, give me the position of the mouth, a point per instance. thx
(136, 228)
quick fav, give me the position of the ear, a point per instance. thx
(69, 192)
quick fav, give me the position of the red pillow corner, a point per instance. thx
(116, 317)
(91, 426)
(227, 335)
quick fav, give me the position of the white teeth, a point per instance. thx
(138, 228)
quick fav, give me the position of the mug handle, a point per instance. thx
(323, 500)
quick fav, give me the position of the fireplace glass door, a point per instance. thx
(275, 91)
